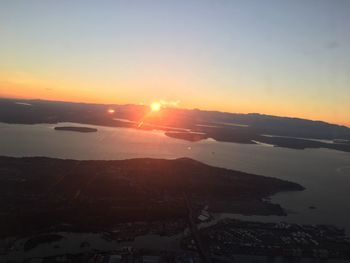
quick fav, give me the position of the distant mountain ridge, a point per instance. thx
(191, 125)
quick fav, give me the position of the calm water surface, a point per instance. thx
(325, 173)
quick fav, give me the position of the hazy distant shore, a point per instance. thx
(190, 125)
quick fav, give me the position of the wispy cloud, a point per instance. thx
(169, 103)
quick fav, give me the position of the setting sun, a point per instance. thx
(147, 131)
(155, 106)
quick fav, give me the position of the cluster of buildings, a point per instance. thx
(122, 256)
(129, 231)
(230, 237)
(223, 242)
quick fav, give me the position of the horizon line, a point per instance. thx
(176, 107)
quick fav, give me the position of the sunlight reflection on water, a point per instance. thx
(325, 173)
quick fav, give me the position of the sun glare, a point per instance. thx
(111, 111)
(155, 106)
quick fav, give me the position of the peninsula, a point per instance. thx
(37, 193)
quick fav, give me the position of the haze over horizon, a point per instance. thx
(161, 104)
(284, 59)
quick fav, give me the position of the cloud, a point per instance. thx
(170, 103)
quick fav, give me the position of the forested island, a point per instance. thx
(188, 136)
(76, 129)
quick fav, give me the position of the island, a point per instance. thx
(38, 193)
(76, 129)
(188, 136)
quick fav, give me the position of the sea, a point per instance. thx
(324, 173)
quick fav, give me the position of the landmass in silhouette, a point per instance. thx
(191, 125)
(37, 193)
(75, 129)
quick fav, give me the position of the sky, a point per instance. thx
(279, 57)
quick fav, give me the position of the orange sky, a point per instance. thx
(285, 58)
(30, 89)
